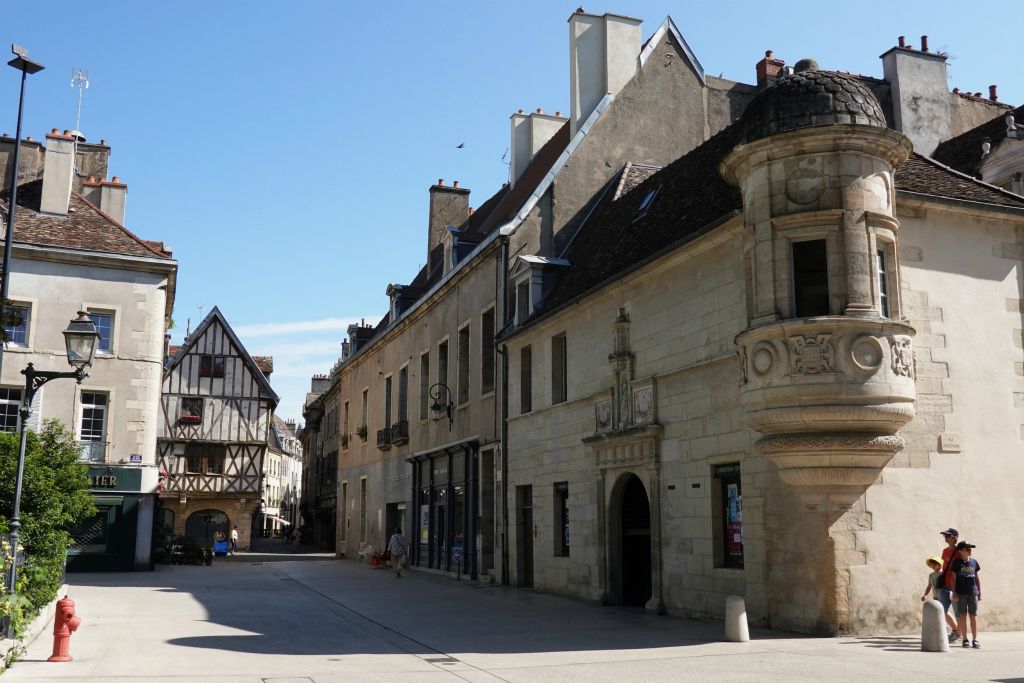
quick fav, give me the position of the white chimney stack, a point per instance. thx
(112, 197)
(604, 54)
(530, 132)
(58, 169)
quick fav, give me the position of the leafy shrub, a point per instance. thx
(55, 499)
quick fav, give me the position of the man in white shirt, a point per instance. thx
(234, 540)
(398, 546)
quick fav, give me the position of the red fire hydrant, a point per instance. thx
(64, 624)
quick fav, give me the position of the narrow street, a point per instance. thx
(312, 618)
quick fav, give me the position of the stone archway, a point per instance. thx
(196, 526)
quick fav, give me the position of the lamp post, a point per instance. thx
(441, 396)
(22, 63)
(80, 339)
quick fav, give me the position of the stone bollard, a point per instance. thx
(933, 628)
(736, 630)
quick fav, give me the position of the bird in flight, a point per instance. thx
(460, 145)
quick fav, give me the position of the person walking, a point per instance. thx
(967, 591)
(234, 540)
(397, 546)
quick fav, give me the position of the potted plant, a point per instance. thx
(344, 440)
(362, 432)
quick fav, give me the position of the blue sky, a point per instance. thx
(284, 150)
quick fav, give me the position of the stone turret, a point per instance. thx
(827, 360)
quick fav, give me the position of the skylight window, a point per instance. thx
(648, 201)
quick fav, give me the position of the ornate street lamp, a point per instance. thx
(80, 338)
(26, 66)
(441, 396)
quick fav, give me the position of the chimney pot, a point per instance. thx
(992, 93)
(924, 43)
(956, 91)
(67, 132)
(115, 179)
(539, 110)
(440, 182)
(455, 184)
(103, 142)
(91, 179)
(54, 132)
(558, 113)
(903, 41)
(29, 139)
(521, 111)
(977, 94)
(768, 54)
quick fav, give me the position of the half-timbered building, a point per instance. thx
(216, 410)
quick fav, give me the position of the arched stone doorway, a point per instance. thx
(634, 546)
(197, 528)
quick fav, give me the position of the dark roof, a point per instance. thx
(618, 236)
(810, 98)
(83, 227)
(692, 197)
(964, 151)
(923, 175)
(516, 196)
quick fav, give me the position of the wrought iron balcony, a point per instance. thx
(400, 432)
(384, 438)
(92, 451)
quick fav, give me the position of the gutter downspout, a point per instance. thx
(503, 444)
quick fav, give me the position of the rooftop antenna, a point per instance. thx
(80, 80)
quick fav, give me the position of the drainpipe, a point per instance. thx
(503, 450)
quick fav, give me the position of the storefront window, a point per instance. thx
(730, 504)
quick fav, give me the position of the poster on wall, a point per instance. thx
(734, 524)
(424, 524)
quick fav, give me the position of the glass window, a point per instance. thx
(366, 401)
(16, 325)
(883, 283)
(191, 410)
(94, 416)
(10, 405)
(425, 386)
(104, 325)
(487, 352)
(729, 526)
(810, 278)
(211, 366)
(387, 402)
(442, 363)
(559, 376)
(522, 301)
(403, 394)
(525, 380)
(463, 365)
(205, 458)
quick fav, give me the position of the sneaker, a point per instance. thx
(966, 643)
(953, 637)
(976, 645)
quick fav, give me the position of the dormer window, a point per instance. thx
(522, 301)
(534, 278)
(648, 202)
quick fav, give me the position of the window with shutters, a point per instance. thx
(463, 361)
(403, 394)
(559, 376)
(487, 352)
(10, 405)
(525, 379)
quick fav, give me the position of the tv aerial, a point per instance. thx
(80, 80)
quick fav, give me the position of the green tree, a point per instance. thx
(55, 499)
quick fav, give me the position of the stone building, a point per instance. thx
(281, 475)
(735, 339)
(72, 252)
(770, 387)
(216, 410)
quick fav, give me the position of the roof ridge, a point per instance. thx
(118, 225)
(939, 164)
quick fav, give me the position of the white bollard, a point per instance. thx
(736, 630)
(933, 628)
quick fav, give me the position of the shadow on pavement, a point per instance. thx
(889, 643)
(314, 604)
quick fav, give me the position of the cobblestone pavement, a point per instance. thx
(310, 618)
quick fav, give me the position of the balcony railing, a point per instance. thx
(400, 432)
(92, 451)
(384, 438)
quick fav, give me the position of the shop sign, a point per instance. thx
(119, 478)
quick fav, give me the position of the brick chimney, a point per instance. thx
(58, 168)
(448, 206)
(604, 54)
(768, 69)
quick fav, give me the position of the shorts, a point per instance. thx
(945, 596)
(967, 604)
